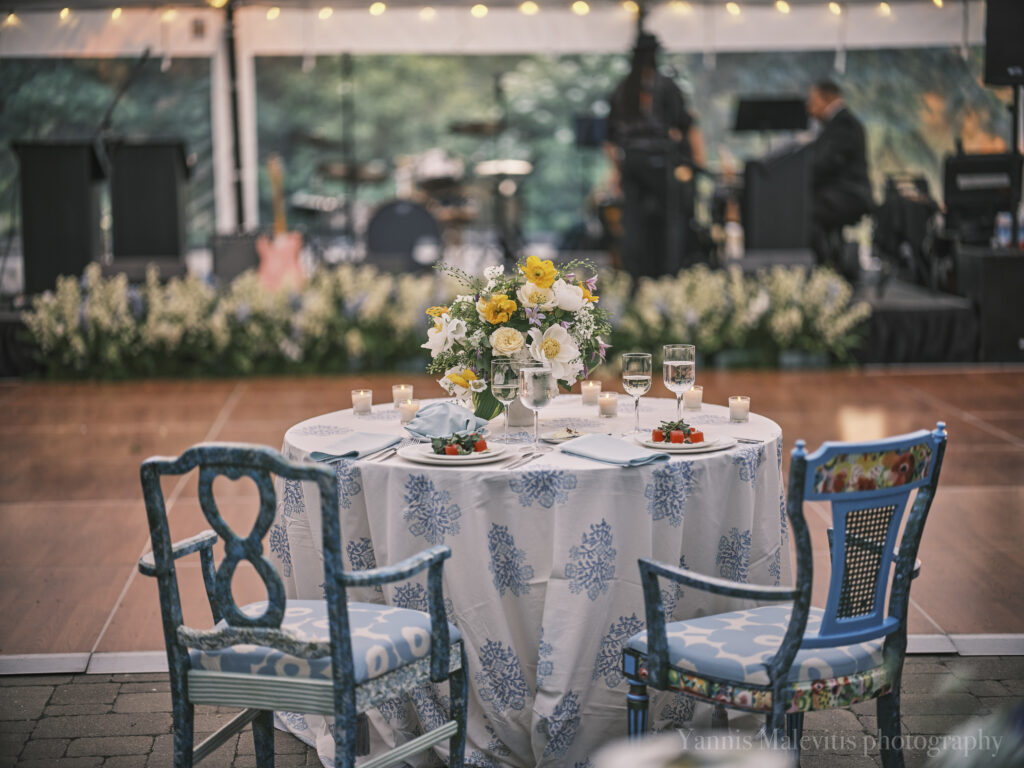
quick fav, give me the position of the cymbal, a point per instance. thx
(477, 127)
(372, 172)
(491, 168)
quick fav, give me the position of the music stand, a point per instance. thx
(786, 113)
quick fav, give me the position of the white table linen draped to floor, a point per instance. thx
(543, 578)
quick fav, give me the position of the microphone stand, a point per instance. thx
(100, 135)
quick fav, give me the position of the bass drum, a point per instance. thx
(403, 236)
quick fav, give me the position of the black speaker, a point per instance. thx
(233, 255)
(992, 280)
(1004, 42)
(147, 199)
(60, 209)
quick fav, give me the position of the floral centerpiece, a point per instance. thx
(540, 313)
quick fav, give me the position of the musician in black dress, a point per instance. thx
(840, 185)
(654, 143)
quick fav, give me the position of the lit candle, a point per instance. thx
(739, 408)
(692, 398)
(590, 390)
(362, 400)
(407, 409)
(608, 404)
(400, 393)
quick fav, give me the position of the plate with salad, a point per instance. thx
(680, 437)
(468, 448)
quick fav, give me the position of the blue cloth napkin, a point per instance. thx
(612, 451)
(356, 445)
(443, 419)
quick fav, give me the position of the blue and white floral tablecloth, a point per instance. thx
(543, 579)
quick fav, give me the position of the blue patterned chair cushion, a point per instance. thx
(736, 646)
(383, 638)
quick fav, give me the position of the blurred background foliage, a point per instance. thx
(914, 104)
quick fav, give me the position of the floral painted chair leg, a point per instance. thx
(888, 707)
(263, 738)
(794, 731)
(637, 702)
(458, 686)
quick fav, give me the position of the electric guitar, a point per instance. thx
(279, 257)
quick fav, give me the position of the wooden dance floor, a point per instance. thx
(73, 523)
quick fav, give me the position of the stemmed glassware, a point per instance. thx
(678, 370)
(504, 384)
(535, 392)
(636, 380)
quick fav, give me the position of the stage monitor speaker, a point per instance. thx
(777, 201)
(147, 199)
(1004, 42)
(60, 209)
(991, 278)
(233, 255)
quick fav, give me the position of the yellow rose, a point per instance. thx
(507, 341)
(540, 273)
(497, 309)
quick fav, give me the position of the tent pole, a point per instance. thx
(229, 40)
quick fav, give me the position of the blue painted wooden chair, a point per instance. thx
(328, 656)
(786, 659)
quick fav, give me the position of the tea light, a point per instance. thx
(362, 401)
(608, 404)
(739, 408)
(407, 409)
(692, 398)
(590, 391)
(400, 393)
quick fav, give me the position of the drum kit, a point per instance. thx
(438, 204)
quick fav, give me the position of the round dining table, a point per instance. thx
(543, 580)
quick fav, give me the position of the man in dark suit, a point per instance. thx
(839, 173)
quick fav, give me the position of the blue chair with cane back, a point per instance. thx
(785, 659)
(329, 656)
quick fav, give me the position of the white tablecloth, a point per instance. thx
(543, 579)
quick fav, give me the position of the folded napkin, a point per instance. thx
(612, 451)
(356, 445)
(443, 419)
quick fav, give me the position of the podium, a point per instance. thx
(61, 183)
(776, 208)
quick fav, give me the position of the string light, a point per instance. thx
(217, 3)
(782, 6)
(115, 14)
(64, 14)
(529, 8)
(427, 13)
(12, 20)
(681, 7)
(273, 12)
(378, 8)
(835, 8)
(479, 11)
(580, 8)
(733, 9)
(938, 3)
(631, 6)
(325, 13)
(885, 9)
(169, 15)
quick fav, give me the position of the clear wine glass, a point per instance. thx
(636, 380)
(535, 385)
(678, 370)
(504, 384)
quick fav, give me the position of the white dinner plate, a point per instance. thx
(422, 453)
(549, 437)
(709, 444)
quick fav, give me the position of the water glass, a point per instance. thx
(636, 380)
(678, 371)
(535, 385)
(504, 384)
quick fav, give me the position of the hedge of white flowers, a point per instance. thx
(354, 318)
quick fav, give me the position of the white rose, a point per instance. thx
(568, 297)
(507, 341)
(532, 295)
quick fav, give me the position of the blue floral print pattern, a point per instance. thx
(593, 562)
(508, 563)
(560, 728)
(361, 557)
(545, 666)
(545, 486)
(666, 496)
(500, 680)
(775, 566)
(609, 656)
(749, 461)
(733, 558)
(320, 430)
(279, 547)
(347, 474)
(295, 721)
(413, 596)
(678, 712)
(395, 711)
(291, 502)
(429, 512)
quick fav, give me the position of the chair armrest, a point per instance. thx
(397, 572)
(197, 543)
(716, 585)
